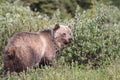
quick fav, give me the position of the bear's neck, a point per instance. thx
(59, 43)
(50, 37)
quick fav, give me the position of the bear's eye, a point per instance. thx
(64, 34)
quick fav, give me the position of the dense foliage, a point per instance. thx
(67, 7)
(96, 36)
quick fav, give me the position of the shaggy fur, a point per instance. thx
(26, 49)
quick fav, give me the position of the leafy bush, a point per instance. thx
(96, 36)
(16, 18)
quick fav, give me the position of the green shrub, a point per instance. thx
(16, 18)
(96, 37)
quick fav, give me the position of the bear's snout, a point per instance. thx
(70, 40)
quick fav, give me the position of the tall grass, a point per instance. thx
(67, 73)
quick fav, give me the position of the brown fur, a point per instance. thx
(26, 49)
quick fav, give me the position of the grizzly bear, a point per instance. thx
(26, 49)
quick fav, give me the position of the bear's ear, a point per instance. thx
(70, 26)
(57, 26)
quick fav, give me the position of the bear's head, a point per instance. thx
(62, 34)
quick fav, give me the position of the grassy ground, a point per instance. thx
(68, 73)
